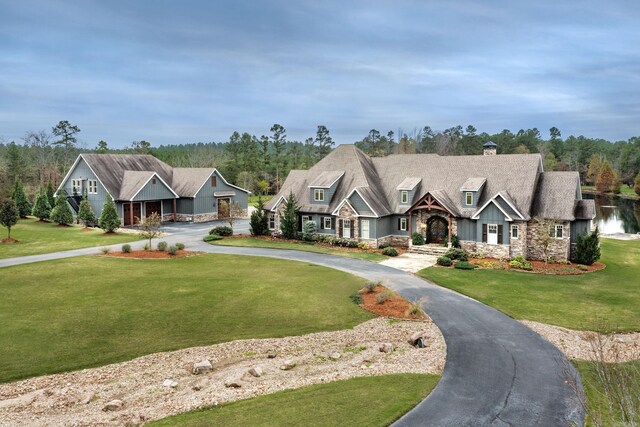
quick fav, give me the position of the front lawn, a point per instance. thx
(253, 200)
(368, 401)
(298, 246)
(605, 301)
(36, 237)
(89, 311)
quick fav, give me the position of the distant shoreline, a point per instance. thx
(628, 196)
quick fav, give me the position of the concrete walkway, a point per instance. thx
(411, 263)
(498, 372)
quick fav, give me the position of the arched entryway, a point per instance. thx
(437, 230)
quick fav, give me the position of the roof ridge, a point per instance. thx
(364, 175)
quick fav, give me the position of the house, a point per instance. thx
(140, 184)
(492, 203)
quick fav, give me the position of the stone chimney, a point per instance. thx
(490, 148)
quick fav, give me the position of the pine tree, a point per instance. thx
(20, 198)
(85, 213)
(41, 206)
(258, 225)
(9, 215)
(50, 194)
(588, 248)
(109, 220)
(61, 212)
(289, 218)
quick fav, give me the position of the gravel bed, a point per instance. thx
(79, 398)
(587, 345)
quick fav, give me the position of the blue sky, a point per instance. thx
(188, 71)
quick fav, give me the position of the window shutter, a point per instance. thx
(398, 223)
(484, 233)
(500, 234)
(333, 223)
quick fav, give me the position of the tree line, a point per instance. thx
(261, 163)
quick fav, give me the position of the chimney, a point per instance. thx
(490, 148)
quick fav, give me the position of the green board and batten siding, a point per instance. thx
(359, 205)
(205, 201)
(151, 191)
(83, 171)
(492, 215)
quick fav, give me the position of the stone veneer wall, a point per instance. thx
(346, 212)
(493, 251)
(559, 248)
(394, 241)
(423, 215)
(519, 246)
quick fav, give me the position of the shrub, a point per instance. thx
(162, 246)
(105, 250)
(383, 246)
(289, 218)
(363, 245)
(383, 296)
(588, 248)
(109, 219)
(415, 310)
(212, 237)
(221, 230)
(390, 251)
(146, 247)
(417, 239)
(371, 286)
(41, 207)
(455, 242)
(356, 298)
(464, 265)
(61, 212)
(444, 261)
(521, 263)
(85, 213)
(180, 246)
(455, 253)
(172, 250)
(309, 230)
(478, 255)
(126, 248)
(258, 223)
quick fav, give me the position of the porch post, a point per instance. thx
(174, 211)
(131, 213)
(409, 229)
(449, 234)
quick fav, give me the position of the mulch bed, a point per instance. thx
(395, 306)
(400, 250)
(539, 267)
(12, 240)
(141, 254)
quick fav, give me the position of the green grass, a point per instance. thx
(626, 191)
(298, 246)
(372, 401)
(595, 391)
(89, 311)
(253, 200)
(35, 237)
(605, 301)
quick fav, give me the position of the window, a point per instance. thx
(153, 181)
(76, 186)
(92, 186)
(326, 223)
(556, 231)
(272, 221)
(214, 181)
(468, 198)
(318, 195)
(404, 197)
(403, 224)
(514, 231)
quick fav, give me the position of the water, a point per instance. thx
(616, 215)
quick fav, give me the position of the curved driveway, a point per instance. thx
(498, 372)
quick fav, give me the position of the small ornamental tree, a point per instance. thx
(61, 212)
(258, 225)
(289, 218)
(588, 248)
(50, 194)
(545, 236)
(636, 185)
(85, 213)
(41, 206)
(150, 226)
(20, 199)
(9, 215)
(309, 230)
(109, 220)
(235, 213)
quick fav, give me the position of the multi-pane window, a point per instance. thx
(318, 195)
(272, 221)
(92, 186)
(403, 224)
(469, 198)
(326, 223)
(404, 197)
(76, 186)
(556, 231)
(514, 231)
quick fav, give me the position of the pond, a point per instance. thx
(616, 215)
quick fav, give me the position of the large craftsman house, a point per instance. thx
(495, 204)
(140, 184)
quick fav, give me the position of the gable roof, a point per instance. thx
(473, 184)
(409, 183)
(326, 179)
(188, 181)
(552, 195)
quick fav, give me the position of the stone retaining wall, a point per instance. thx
(394, 241)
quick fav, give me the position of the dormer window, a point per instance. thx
(469, 198)
(404, 197)
(318, 195)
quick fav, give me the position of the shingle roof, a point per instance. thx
(326, 179)
(555, 196)
(473, 184)
(132, 182)
(409, 183)
(187, 181)
(585, 209)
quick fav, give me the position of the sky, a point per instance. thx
(173, 72)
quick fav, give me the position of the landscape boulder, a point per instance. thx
(232, 383)
(170, 383)
(335, 356)
(113, 405)
(200, 367)
(256, 371)
(287, 365)
(418, 339)
(386, 347)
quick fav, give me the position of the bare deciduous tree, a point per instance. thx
(150, 226)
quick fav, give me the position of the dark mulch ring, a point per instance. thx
(539, 267)
(12, 240)
(395, 306)
(141, 254)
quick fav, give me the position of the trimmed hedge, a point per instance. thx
(222, 230)
(212, 237)
(464, 265)
(444, 261)
(390, 251)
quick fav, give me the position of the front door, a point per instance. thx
(437, 228)
(223, 208)
(153, 207)
(127, 213)
(346, 228)
(492, 234)
(364, 226)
